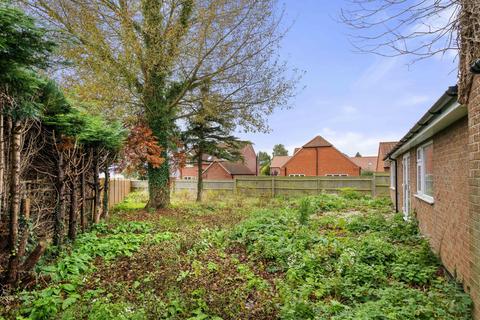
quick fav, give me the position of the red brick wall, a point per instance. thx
(250, 158)
(330, 161)
(446, 222)
(216, 172)
(474, 190)
(191, 171)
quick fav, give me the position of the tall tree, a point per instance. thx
(279, 150)
(264, 158)
(418, 28)
(210, 135)
(23, 49)
(358, 155)
(151, 57)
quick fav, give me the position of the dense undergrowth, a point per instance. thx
(319, 257)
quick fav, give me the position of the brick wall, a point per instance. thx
(474, 189)
(250, 158)
(447, 222)
(216, 172)
(330, 161)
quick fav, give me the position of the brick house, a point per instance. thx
(318, 157)
(367, 164)
(277, 163)
(434, 177)
(383, 149)
(218, 169)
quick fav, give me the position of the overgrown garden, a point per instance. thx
(319, 257)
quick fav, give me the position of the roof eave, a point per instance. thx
(442, 114)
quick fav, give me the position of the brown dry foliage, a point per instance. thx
(141, 149)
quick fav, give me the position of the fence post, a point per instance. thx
(374, 185)
(235, 191)
(273, 186)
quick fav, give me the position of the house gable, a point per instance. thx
(250, 158)
(215, 171)
(319, 158)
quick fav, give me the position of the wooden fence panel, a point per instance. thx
(259, 186)
(375, 185)
(382, 184)
(119, 189)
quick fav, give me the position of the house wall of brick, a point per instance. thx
(216, 172)
(191, 171)
(250, 158)
(446, 223)
(275, 171)
(474, 190)
(330, 161)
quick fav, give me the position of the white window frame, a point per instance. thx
(296, 175)
(421, 174)
(393, 174)
(336, 175)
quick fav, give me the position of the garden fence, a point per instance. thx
(376, 185)
(118, 190)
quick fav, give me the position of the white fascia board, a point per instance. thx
(454, 112)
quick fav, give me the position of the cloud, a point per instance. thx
(349, 109)
(376, 73)
(414, 100)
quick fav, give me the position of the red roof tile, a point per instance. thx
(366, 163)
(279, 161)
(383, 149)
(318, 141)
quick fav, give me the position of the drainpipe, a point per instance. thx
(396, 183)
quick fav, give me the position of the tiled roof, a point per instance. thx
(236, 168)
(318, 141)
(366, 163)
(383, 149)
(279, 161)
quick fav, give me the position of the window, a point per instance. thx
(393, 173)
(296, 175)
(188, 178)
(336, 175)
(425, 172)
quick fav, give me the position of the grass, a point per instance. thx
(322, 257)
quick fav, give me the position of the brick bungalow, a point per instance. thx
(218, 169)
(434, 176)
(277, 163)
(367, 164)
(318, 157)
(383, 149)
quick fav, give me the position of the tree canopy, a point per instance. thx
(279, 150)
(152, 58)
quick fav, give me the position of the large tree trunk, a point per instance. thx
(200, 176)
(106, 189)
(60, 206)
(159, 178)
(96, 188)
(72, 220)
(12, 273)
